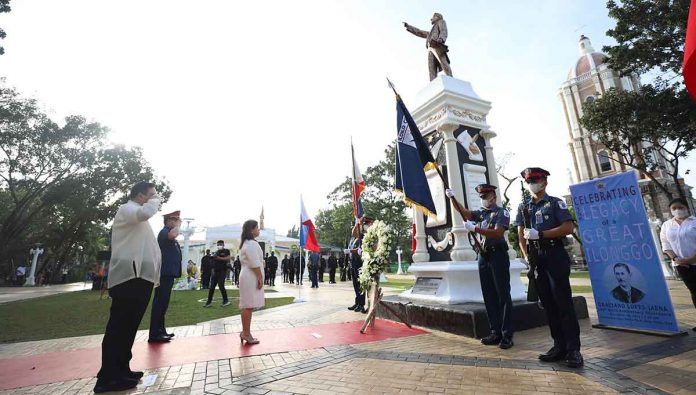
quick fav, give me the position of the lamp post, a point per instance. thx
(36, 251)
(187, 232)
(398, 255)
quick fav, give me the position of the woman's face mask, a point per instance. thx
(680, 213)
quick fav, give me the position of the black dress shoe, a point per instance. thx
(506, 343)
(353, 307)
(492, 339)
(361, 309)
(114, 385)
(159, 339)
(137, 375)
(554, 354)
(574, 359)
(170, 334)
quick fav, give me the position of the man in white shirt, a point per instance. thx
(134, 269)
(678, 237)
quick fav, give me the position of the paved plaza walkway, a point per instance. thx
(314, 347)
(13, 294)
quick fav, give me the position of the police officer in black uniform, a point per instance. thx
(550, 223)
(489, 225)
(354, 251)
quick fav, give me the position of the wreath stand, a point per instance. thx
(375, 294)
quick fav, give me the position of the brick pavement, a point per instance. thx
(430, 363)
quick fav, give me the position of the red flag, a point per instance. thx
(689, 66)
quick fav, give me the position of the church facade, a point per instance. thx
(588, 79)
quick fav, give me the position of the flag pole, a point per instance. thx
(299, 244)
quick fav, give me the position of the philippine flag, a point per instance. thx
(308, 239)
(358, 187)
(689, 65)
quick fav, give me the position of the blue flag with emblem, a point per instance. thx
(413, 159)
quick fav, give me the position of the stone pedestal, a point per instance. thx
(452, 118)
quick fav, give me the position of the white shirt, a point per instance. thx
(134, 249)
(251, 255)
(681, 239)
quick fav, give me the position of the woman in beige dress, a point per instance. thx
(250, 278)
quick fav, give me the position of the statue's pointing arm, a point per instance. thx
(416, 31)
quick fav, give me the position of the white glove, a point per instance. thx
(346, 251)
(449, 193)
(470, 226)
(359, 251)
(531, 234)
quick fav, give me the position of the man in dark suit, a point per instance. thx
(332, 268)
(624, 292)
(171, 269)
(299, 268)
(322, 268)
(206, 269)
(272, 263)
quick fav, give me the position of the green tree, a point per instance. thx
(650, 129)
(379, 199)
(649, 35)
(293, 232)
(4, 7)
(60, 184)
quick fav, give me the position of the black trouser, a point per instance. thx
(313, 277)
(205, 279)
(349, 273)
(160, 303)
(494, 273)
(343, 274)
(688, 276)
(128, 304)
(218, 280)
(236, 275)
(359, 295)
(271, 276)
(553, 286)
(332, 275)
(321, 274)
(298, 276)
(291, 276)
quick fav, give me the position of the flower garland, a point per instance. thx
(376, 245)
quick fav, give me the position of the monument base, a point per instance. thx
(467, 319)
(453, 282)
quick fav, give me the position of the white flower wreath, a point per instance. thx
(376, 245)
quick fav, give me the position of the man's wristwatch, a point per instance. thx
(541, 234)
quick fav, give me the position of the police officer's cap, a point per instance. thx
(532, 173)
(175, 214)
(483, 189)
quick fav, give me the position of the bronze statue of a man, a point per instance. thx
(435, 42)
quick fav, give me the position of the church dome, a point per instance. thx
(589, 59)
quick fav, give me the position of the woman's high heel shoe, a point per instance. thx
(248, 340)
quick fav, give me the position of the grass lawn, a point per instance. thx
(82, 313)
(581, 289)
(583, 274)
(402, 284)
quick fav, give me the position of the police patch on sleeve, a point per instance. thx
(506, 213)
(562, 205)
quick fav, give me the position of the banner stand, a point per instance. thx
(642, 331)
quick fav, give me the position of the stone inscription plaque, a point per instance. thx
(426, 285)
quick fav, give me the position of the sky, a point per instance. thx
(243, 104)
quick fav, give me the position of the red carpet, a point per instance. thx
(71, 365)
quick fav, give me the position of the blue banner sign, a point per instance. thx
(629, 287)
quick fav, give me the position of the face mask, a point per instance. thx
(536, 187)
(220, 247)
(680, 213)
(487, 203)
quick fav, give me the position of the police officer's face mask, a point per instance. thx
(488, 202)
(537, 186)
